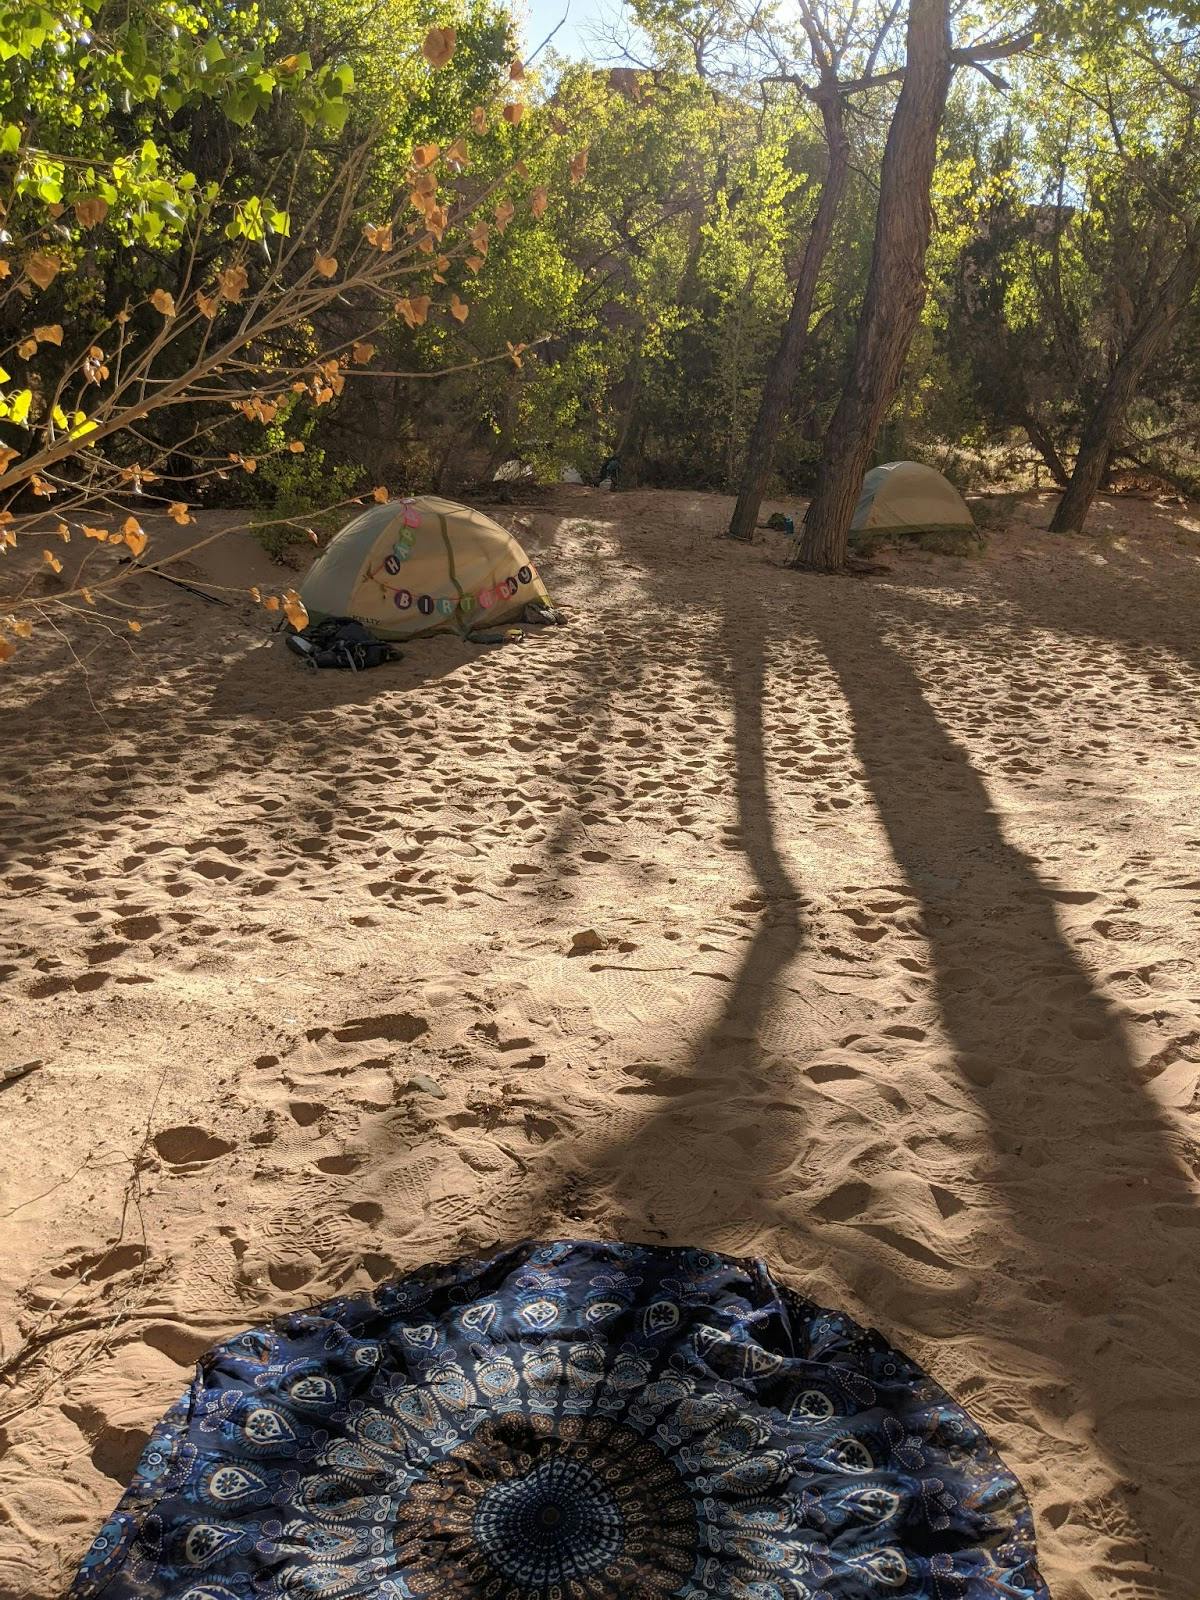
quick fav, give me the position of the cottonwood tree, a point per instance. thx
(844, 52)
(1131, 151)
(896, 284)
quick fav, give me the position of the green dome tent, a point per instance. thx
(907, 497)
(426, 565)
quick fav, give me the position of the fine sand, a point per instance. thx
(895, 889)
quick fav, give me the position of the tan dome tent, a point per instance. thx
(906, 497)
(411, 567)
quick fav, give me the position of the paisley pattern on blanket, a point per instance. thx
(567, 1422)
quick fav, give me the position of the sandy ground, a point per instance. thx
(898, 884)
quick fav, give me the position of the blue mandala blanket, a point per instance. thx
(567, 1422)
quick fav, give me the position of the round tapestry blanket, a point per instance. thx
(567, 1422)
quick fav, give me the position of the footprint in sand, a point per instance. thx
(188, 1146)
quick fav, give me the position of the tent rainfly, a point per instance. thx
(425, 565)
(906, 497)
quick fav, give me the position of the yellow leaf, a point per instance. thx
(516, 70)
(42, 267)
(233, 282)
(513, 112)
(538, 201)
(361, 353)
(7, 649)
(294, 610)
(326, 266)
(380, 493)
(21, 626)
(163, 302)
(88, 596)
(288, 65)
(479, 121)
(134, 627)
(52, 560)
(51, 334)
(297, 447)
(63, 532)
(91, 211)
(579, 166)
(458, 310)
(27, 348)
(425, 155)
(94, 533)
(178, 512)
(271, 603)
(256, 594)
(439, 46)
(207, 304)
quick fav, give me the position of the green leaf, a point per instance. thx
(10, 139)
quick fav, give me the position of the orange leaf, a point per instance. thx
(516, 70)
(504, 214)
(7, 457)
(425, 155)
(163, 302)
(458, 310)
(134, 627)
(42, 267)
(94, 533)
(513, 112)
(5, 270)
(7, 649)
(233, 282)
(52, 560)
(134, 537)
(256, 595)
(178, 512)
(479, 121)
(439, 46)
(91, 211)
(380, 493)
(514, 351)
(27, 348)
(579, 166)
(63, 532)
(21, 626)
(297, 447)
(414, 311)
(379, 238)
(271, 603)
(326, 266)
(52, 334)
(457, 154)
(312, 535)
(521, 170)
(249, 463)
(538, 201)
(361, 353)
(475, 262)
(294, 610)
(88, 596)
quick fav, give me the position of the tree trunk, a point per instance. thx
(1045, 447)
(1108, 417)
(760, 452)
(895, 287)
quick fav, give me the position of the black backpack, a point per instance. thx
(341, 642)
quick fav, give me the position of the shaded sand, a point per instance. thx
(897, 884)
